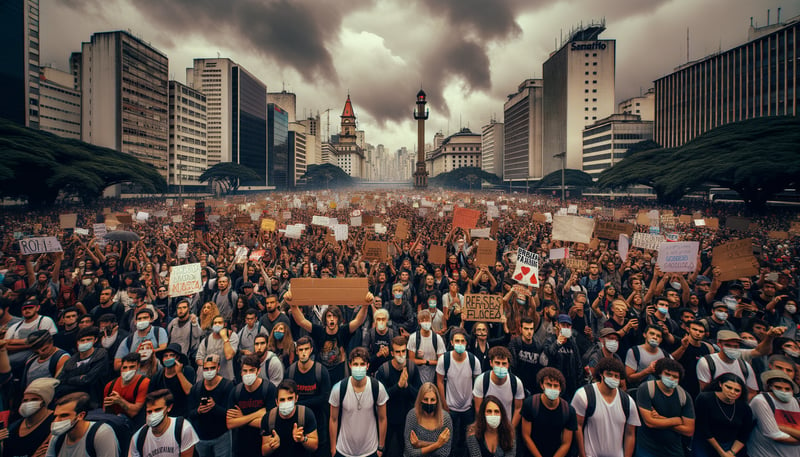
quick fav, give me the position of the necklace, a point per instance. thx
(733, 414)
(358, 398)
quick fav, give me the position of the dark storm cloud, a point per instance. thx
(486, 19)
(465, 59)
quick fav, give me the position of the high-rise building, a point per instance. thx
(286, 100)
(643, 105)
(578, 90)
(298, 153)
(492, 139)
(328, 153)
(59, 104)
(278, 147)
(462, 149)
(755, 79)
(19, 74)
(606, 141)
(522, 132)
(124, 97)
(349, 155)
(313, 140)
(237, 115)
(188, 146)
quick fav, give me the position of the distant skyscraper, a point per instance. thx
(522, 133)
(237, 115)
(19, 73)
(578, 90)
(643, 105)
(286, 100)
(492, 148)
(60, 104)
(124, 92)
(313, 140)
(188, 123)
(298, 152)
(606, 141)
(278, 147)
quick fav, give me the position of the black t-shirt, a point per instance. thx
(313, 392)
(27, 445)
(689, 361)
(526, 360)
(212, 424)
(547, 426)
(284, 429)
(662, 442)
(180, 406)
(246, 439)
(330, 348)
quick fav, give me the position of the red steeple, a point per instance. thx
(348, 109)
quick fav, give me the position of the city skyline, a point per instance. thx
(466, 56)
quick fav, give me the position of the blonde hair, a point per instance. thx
(207, 320)
(424, 389)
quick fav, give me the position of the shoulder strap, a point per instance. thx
(681, 396)
(446, 369)
(651, 389)
(375, 384)
(564, 411)
(625, 400)
(745, 370)
(90, 447)
(138, 383)
(291, 371)
(59, 443)
(472, 362)
(636, 356)
(39, 323)
(418, 339)
(513, 392)
(178, 432)
(712, 367)
(487, 378)
(140, 439)
(536, 402)
(317, 371)
(591, 403)
(434, 337)
(53, 365)
(239, 390)
(273, 416)
(301, 415)
(766, 397)
(385, 371)
(342, 392)
(129, 343)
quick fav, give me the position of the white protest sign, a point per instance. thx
(480, 233)
(286, 215)
(678, 257)
(699, 222)
(41, 245)
(573, 228)
(182, 249)
(527, 268)
(255, 216)
(294, 231)
(573, 209)
(559, 253)
(340, 232)
(380, 229)
(241, 254)
(177, 219)
(214, 218)
(647, 240)
(185, 280)
(548, 217)
(623, 245)
(319, 220)
(355, 221)
(492, 212)
(142, 216)
(81, 231)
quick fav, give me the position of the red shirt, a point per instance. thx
(130, 392)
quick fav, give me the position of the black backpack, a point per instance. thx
(712, 368)
(536, 402)
(433, 338)
(292, 371)
(591, 403)
(472, 362)
(487, 379)
(178, 436)
(273, 417)
(90, 450)
(385, 370)
(119, 425)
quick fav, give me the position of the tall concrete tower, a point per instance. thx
(421, 115)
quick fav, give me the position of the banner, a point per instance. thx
(573, 228)
(481, 233)
(256, 255)
(185, 280)
(41, 245)
(319, 220)
(559, 253)
(377, 251)
(678, 257)
(527, 268)
(465, 218)
(482, 307)
(647, 240)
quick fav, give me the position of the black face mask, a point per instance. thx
(429, 408)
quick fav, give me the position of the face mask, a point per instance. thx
(380, 326)
(249, 378)
(611, 382)
(612, 346)
(398, 295)
(153, 419)
(493, 421)
(86, 282)
(668, 382)
(750, 343)
(145, 354)
(278, 335)
(29, 408)
(791, 353)
(675, 285)
(551, 394)
(566, 332)
(286, 408)
(731, 353)
(521, 301)
(58, 428)
(83, 347)
(429, 408)
(432, 304)
(663, 310)
(791, 309)
(169, 363)
(107, 342)
(425, 325)
(652, 342)
(208, 375)
(500, 372)
(784, 397)
(216, 328)
(730, 302)
(142, 325)
(359, 372)
(460, 348)
(400, 359)
(127, 375)
(721, 315)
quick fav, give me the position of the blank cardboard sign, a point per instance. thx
(331, 291)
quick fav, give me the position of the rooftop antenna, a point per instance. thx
(687, 44)
(779, 16)
(218, 55)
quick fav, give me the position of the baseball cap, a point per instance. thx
(770, 375)
(563, 318)
(728, 335)
(606, 332)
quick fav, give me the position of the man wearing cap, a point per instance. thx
(727, 360)
(29, 435)
(252, 299)
(208, 409)
(144, 331)
(87, 370)
(718, 320)
(562, 354)
(706, 291)
(185, 330)
(607, 347)
(47, 359)
(18, 348)
(777, 417)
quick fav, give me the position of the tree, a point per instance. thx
(463, 178)
(39, 166)
(229, 176)
(572, 178)
(326, 176)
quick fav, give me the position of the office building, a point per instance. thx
(278, 147)
(237, 115)
(188, 146)
(298, 153)
(643, 105)
(313, 140)
(755, 79)
(522, 133)
(59, 104)
(19, 74)
(578, 90)
(286, 100)
(462, 149)
(606, 141)
(492, 148)
(124, 97)
(328, 154)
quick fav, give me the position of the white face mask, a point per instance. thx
(493, 421)
(249, 378)
(612, 346)
(153, 419)
(58, 428)
(400, 359)
(127, 375)
(86, 282)
(425, 325)
(29, 408)
(381, 326)
(286, 408)
(141, 325)
(208, 375)
(566, 332)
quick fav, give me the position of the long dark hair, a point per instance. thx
(505, 434)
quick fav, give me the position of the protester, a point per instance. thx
(72, 435)
(288, 429)
(162, 434)
(492, 433)
(428, 428)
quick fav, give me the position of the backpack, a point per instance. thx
(591, 403)
(293, 371)
(16, 326)
(772, 403)
(129, 339)
(712, 368)
(536, 401)
(264, 389)
(119, 425)
(90, 450)
(178, 436)
(651, 391)
(433, 338)
(487, 379)
(375, 391)
(472, 362)
(273, 416)
(51, 366)
(638, 356)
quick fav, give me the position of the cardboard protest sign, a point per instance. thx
(483, 308)
(576, 264)
(125, 218)
(539, 217)
(711, 222)
(738, 223)
(185, 280)
(678, 257)
(778, 235)
(401, 230)
(526, 271)
(669, 221)
(340, 232)
(612, 230)
(214, 218)
(286, 215)
(256, 255)
(242, 221)
(647, 240)
(330, 291)
(573, 228)
(68, 221)
(40, 245)
(559, 253)
(492, 212)
(685, 219)
(643, 217)
(376, 250)
(177, 219)
(795, 227)
(735, 259)
(486, 254)
(268, 225)
(437, 255)
(480, 233)
(495, 227)
(355, 221)
(465, 218)
(700, 222)
(380, 229)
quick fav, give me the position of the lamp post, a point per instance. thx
(563, 157)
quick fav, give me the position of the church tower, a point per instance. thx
(348, 132)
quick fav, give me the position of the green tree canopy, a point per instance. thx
(572, 178)
(464, 178)
(326, 176)
(757, 158)
(229, 176)
(38, 165)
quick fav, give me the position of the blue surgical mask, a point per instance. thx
(398, 295)
(663, 310)
(278, 335)
(432, 304)
(169, 363)
(521, 300)
(83, 347)
(551, 394)
(500, 372)
(216, 328)
(460, 348)
(668, 382)
(358, 373)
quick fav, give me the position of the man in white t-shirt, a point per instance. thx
(73, 436)
(727, 360)
(159, 436)
(455, 386)
(605, 428)
(777, 414)
(424, 348)
(358, 418)
(506, 387)
(18, 348)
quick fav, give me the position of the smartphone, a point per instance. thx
(204, 401)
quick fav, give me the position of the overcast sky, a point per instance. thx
(468, 55)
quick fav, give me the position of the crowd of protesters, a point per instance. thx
(612, 359)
